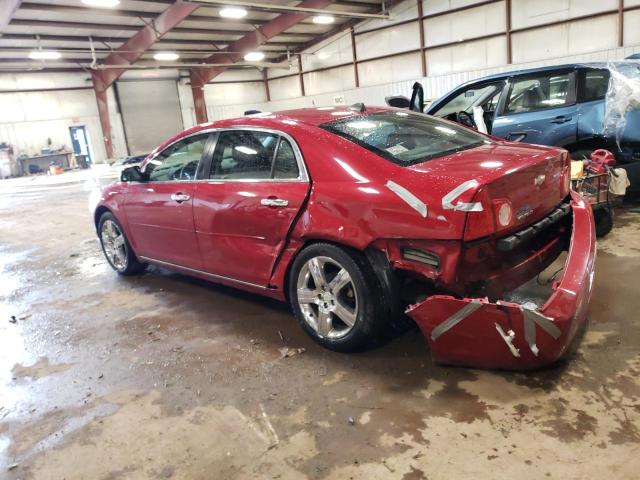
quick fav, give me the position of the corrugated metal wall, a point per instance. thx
(460, 46)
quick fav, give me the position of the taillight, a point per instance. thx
(480, 223)
(504, 212)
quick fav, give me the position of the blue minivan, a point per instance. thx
(562, 105)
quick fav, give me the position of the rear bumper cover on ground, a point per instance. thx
(506, 335)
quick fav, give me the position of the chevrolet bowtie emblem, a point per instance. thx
(539, 179)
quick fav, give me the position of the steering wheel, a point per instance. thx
(465, 119)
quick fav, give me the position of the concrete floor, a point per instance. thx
(162, 376)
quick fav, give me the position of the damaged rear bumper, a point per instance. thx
(506, 335)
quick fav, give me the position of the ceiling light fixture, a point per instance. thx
(102, 3)
(166, 56)
(324, 19)
(44, 55)
(254, 56)
(233, 12)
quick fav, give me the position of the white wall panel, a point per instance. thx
(284, 88)
(436, 6)
(475, 22)
(280, 72)
(28, 119)
(391, 40)
(404, 11)
(335, 51)
(236, 75)
(234, 93)
(333, 80)
(389, 70)
(467, 56)
(631, 30)
(526, 13)
(566, 39)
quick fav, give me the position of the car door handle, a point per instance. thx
(516, 136)
(561, 119)
(274, 202)
(180, 197)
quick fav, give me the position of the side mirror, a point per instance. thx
(417, 98)
(398, 101)
(132, 174)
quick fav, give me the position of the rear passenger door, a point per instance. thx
(255, 186)
(540, 109)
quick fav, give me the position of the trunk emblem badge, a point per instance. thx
(539, 180)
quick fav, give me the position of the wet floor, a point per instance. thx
(163, 376)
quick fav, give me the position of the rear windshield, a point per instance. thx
(406, 138)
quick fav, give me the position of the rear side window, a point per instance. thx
(406, 138)
(253, 155)
(595, 84)
(540, 92)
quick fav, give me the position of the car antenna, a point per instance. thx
(358, 107)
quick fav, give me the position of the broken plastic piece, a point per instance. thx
(474, 341)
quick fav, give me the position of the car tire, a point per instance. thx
(343, 311)
(603, 218)
(116, 247)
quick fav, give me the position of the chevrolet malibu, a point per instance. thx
(356, 216)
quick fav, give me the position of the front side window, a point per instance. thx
(485, 96)
(539, 93)
(404, 138)
(177, 162)
(253, 155)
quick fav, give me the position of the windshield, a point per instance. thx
(404, 138)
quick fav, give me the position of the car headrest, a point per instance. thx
(531, 98)
(250, 155)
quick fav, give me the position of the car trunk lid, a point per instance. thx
(531, 180)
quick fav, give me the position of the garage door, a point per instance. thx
(150, 113)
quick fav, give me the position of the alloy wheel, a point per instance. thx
(114, 244)
(327, 297)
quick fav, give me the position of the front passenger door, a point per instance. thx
(540, 109)
(256, 185)
(159, 210)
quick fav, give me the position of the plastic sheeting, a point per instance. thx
(623, 96)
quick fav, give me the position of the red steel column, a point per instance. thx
(197, 90)
(103, 112)
(423, 52)
(300, 75)
(355, 58)
(507, 5)
(620, 23)
(265, 80)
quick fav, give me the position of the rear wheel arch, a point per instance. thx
(305, 244)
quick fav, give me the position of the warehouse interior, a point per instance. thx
(165, 375)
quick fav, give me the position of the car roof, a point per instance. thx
(280, 120)
(527, 71)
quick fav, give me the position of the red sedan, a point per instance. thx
(352, 216)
